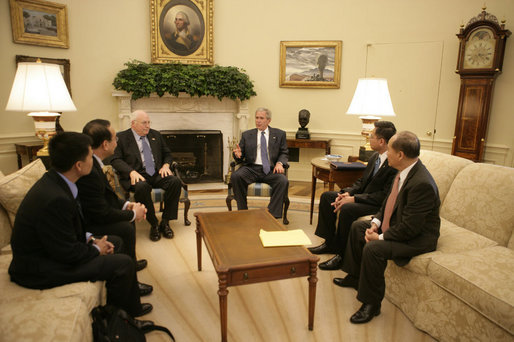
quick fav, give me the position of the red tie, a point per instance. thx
(391, 200)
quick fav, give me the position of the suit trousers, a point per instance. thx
(247, 175)
(124, 229)
(171, 186)
(335, 231)
(368, 261)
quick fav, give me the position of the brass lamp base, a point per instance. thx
(44, 123)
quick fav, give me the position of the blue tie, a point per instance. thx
(264, 154)
(147, 153)
(377, 166)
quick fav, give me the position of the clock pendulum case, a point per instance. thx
(481, 50)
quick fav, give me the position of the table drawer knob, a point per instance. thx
(293, 270)
(245, 276)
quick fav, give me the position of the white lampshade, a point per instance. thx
(39, 87)
(371, 98)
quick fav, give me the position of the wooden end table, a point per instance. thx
(321, 170)
(232, 239)
(308, 143)
(28, 148)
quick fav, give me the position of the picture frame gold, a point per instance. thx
(63, 63)
(41, 23)
(182, 31)
(310, 64)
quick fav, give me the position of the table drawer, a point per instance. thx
(268, 273)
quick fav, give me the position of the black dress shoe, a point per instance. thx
(141, 264)
(165, 229)
(154, 233)
(143, 324)
(334, 263)
(348, 281)
(144, 289)
(146, 308)
(321, 249)
(365, 313)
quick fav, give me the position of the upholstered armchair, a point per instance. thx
(157, 194)
(256, 189)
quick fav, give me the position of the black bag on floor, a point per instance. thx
(113, 324)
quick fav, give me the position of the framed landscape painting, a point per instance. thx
(310, 64)
(182, 31)
(40, 23)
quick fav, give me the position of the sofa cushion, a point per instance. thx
(452, 239)
(5, 225)
(90, 293)
(480, 199)
(443, 168)
(481, 278)
(15, 186)
(62, 319)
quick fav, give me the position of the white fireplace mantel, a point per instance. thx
(188, 113)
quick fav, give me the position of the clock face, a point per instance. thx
(479, 50)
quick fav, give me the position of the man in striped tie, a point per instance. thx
(407, 225)
(264, 154)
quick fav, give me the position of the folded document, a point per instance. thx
(295, 237)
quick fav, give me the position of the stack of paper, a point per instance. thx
(295, 237)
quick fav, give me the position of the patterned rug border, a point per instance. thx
(218, 201)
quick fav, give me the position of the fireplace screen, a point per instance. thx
(199, 154)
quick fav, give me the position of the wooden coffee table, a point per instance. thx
(232, 239)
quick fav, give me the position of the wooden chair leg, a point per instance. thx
(161, 206)
(229, 202)
(286, 207)
(187, 204)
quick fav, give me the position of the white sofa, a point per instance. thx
(463, 291)
(58, 314)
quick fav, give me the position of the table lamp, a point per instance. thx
(39, 88)
(371, 101)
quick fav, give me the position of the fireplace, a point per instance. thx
(193, 114)
(198, 153)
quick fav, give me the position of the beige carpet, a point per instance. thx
(186, 301)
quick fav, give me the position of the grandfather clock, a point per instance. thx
(481, 50)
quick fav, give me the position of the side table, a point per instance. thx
(28, 148)
(308, 143)
(321, 170)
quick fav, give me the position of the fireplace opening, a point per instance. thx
(198, 153)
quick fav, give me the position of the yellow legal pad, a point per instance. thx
(295, 237)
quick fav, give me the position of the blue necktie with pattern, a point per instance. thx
(147, 153)
(377, 166)
(264, 154)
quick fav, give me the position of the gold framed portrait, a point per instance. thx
(40, 23)
(310, 64)
(182, 31)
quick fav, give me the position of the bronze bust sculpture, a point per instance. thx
(303, 118)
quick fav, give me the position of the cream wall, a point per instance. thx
(247, 34)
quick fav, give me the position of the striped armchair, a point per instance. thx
(157, 194)
(257, 190)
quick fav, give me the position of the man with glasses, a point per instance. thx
(143, 160)
(364, 197)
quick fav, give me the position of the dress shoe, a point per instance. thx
(141, 264)
(321, 249)
(140, 324)
(332, 264)
(165, 229)
(348, 281)
(146, 308)
(365, 313)
(155, 235)
(144, 289)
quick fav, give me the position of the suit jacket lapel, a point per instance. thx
(409, 176)
(133, 145)
(252, 150)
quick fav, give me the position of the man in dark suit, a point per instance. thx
(104, 212)
(49, 243)
(364, 197)
(263, 152)
(143, 160)
(407, 225)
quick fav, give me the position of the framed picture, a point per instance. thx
(64, 65)
(310, 64)
(182, 31)
(40, 23)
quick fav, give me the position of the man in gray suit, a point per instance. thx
(264, 154)
(407, 225)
